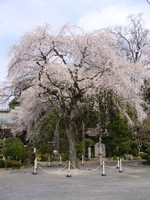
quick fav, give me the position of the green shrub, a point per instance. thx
(65, 157)
(137, 157)
(79, 149)
(2, 164)
(47, 148)
(44, 151)
(38, 154)
(41, 155)
(147, 145)
(147, 162)
(114, 157)
(15, 153)
(13, 163)
(44, 157)
(28, 162)
(144, 156)
(14, 149)
(13, 141)
(89, 143)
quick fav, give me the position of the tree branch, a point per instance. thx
(148, 1)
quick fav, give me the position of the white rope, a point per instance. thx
(45, 170)
(111, 167)
(49, 172)
(64, 167)
(81, 170)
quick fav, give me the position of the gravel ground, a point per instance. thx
(52, 184)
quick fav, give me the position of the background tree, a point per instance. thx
(131, 40)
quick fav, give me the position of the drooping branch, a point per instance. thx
(131, 40)
(148, 1)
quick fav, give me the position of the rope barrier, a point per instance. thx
(69, 165)
(111, 167)
(45, 170)
(81, 170)
(49, 172)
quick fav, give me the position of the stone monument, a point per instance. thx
(100, 149)
(56, 139)
(89, 153)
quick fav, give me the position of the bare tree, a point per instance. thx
(131, 40)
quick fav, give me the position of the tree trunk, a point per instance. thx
(72, 143)
(72, 149)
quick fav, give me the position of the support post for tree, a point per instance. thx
(35, 167)
(118, 163)
(69, 174)
(82, 162)
(104, 172)
(120, 170)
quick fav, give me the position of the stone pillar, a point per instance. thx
(56, 139)
(89, 153)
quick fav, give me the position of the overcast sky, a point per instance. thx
(18, 17)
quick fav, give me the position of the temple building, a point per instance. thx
(9, 125)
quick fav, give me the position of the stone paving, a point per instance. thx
(132, 184)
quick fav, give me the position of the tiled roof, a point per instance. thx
(92, 132)
(7, 119)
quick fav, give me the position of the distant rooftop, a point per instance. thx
(5, 110)
(8, 119)
(92, 132)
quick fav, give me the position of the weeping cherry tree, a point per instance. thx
(48, 69)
